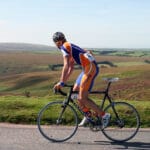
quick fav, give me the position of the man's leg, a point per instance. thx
(76, 88)
(88, 77)
(84, 120)
(84, 101)
(87, 81)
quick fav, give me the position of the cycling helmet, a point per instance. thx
(58, 36)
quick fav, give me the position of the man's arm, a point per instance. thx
(71, 67)
(65, 69)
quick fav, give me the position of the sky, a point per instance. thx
(86, 23)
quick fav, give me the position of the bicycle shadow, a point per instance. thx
(127, 145)
(117, 145)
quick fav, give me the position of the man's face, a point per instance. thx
(59, 44)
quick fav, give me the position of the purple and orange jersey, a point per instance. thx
(76, 53)
(90, 70)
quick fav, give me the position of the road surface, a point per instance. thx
(23, 137)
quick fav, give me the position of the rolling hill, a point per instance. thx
(24, 47)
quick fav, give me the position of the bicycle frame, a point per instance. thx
(106, 96)
(105, 93)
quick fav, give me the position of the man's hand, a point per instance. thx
(58, 85)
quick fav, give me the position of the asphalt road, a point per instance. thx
(22, 137)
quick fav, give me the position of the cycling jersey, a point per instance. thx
(90, 69)
(76, 53)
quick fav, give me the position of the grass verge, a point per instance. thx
(23, 110)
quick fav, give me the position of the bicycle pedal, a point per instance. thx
(96, 125)
(95, 128)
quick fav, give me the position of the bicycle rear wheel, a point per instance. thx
(53, 119)
(124, 122)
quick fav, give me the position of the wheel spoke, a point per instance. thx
(52, 121)
(125, 125)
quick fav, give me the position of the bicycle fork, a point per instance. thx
(59, 120)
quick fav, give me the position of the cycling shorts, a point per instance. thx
(86, 79)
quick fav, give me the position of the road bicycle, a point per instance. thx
(58, 120)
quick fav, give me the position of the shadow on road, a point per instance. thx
(127, 145)
(117, 145)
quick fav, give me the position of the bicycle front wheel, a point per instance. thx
(124, 122)
(53, 119)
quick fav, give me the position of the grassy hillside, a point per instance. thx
(26, 82)
(27, 71)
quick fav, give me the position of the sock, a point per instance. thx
(85, 109)
(102, 113)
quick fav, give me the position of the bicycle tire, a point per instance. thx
(54, 129)
(127, 127)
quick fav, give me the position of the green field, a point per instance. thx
(20, 109)
(26, 82)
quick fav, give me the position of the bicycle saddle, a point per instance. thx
(111, 79)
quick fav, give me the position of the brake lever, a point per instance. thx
(59, 91)
(55, 91)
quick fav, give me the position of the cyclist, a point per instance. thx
(71, 54)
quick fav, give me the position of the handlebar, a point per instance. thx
(62, 92)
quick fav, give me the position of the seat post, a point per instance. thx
(108, 86)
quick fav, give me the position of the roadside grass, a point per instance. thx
(23, 110)
(20, 109)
